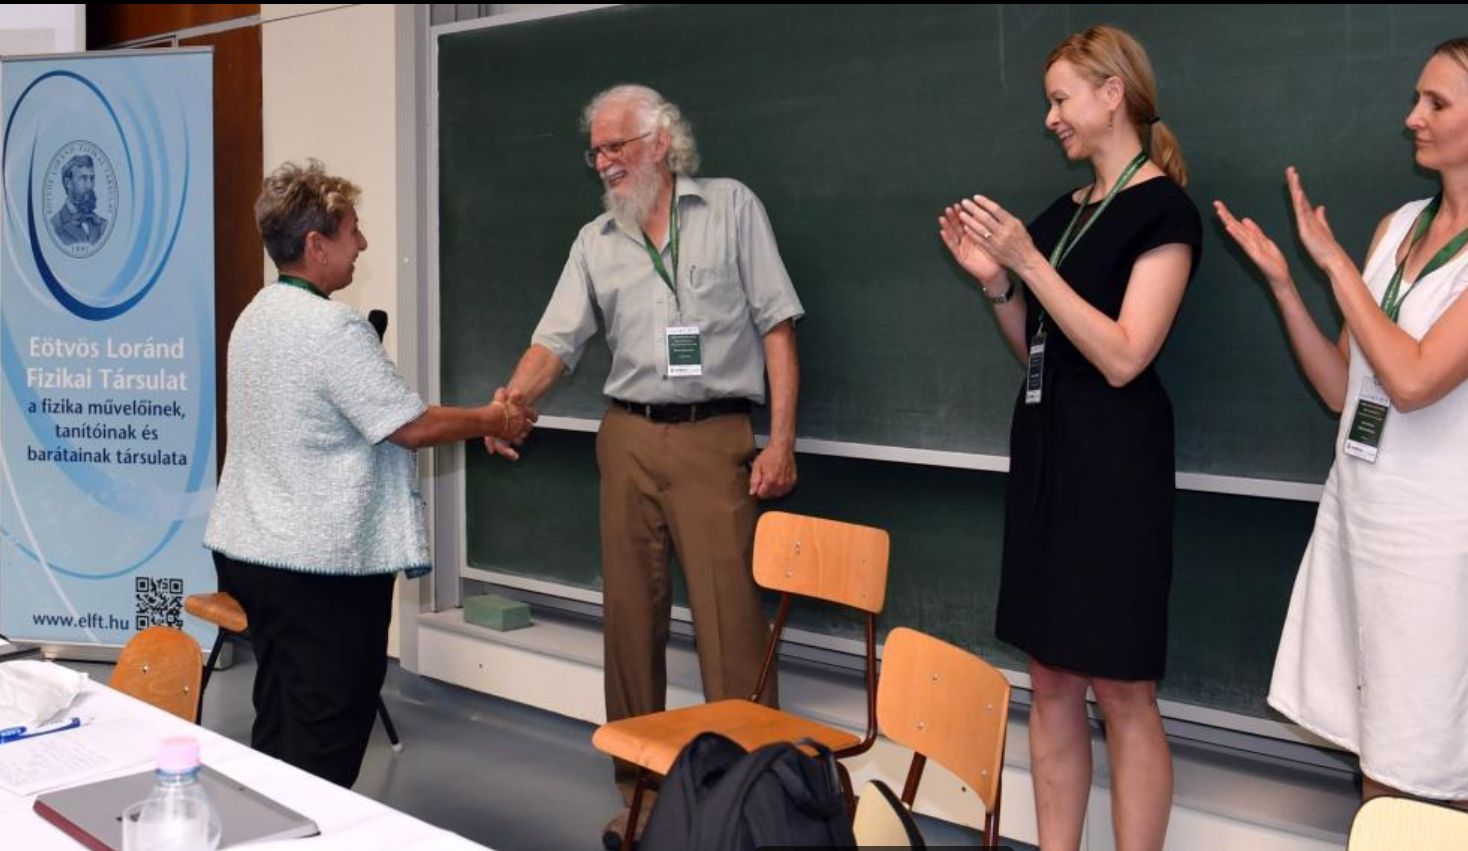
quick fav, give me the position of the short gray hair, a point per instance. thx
(657, 113)
(295, 200)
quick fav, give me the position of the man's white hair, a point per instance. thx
(655, 113)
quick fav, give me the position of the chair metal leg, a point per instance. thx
(208, 669)
(991, 830)
(392, 732)
(991, 819)
(633, 810)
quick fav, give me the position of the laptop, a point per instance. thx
(92, 814)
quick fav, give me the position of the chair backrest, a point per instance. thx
(814, 557)
(946, 704)
(162, 666)
(1394, 824)
(828, 560)
(882, 821)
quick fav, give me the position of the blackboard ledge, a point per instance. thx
(1204, 482)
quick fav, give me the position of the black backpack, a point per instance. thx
(719, 797)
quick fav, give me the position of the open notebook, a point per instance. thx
(92, 814)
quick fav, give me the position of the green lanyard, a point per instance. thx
(1063, 247)
(657, 256)
(1391, 300)
(301, 284)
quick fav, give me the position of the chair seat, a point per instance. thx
(219, 608)
(654, 741)
(1390, 823)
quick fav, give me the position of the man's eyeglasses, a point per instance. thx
(611, 149)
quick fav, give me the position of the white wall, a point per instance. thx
(28, 28)
(281, 11)
(329, 92)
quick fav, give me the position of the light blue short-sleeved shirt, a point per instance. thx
(731, 282)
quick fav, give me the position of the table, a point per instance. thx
(348, 821)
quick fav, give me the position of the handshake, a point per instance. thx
(512, 425)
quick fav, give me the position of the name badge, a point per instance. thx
(1035, 373)
(1364, 438)
(685, 352)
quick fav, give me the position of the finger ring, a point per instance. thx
(988, 235)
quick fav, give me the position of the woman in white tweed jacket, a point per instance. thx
(318, 506)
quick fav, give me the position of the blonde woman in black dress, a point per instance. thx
(1086, 296)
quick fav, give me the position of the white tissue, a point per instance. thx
(33, 692)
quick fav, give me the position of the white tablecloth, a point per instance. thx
(348, 821)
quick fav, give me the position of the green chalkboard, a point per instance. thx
(856, 125)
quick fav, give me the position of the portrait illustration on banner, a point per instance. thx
(80, 198)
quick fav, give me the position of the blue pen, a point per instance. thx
(15, 734)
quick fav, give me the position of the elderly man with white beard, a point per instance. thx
(698, 308)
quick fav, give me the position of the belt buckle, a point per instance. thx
(693, 412)
(647, 410)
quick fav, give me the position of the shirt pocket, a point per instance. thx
(716, 296)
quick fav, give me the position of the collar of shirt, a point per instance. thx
(685, 186)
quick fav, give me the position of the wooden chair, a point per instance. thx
(161, 666)
(225, 612)
(948, 705)
(1396, 824)
(883, 821)
(793, 554)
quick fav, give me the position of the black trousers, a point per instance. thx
(320, 644)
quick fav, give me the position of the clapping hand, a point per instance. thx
(965, 248)
(1315, 232)
(1001, 236)
(1257, 245)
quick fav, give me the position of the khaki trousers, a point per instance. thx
(686, 484)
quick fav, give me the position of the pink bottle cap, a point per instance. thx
(178, 754)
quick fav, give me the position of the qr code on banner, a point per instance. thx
(157, 602)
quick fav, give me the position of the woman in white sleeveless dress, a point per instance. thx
(1374, 655)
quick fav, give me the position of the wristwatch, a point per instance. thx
(1000, 299)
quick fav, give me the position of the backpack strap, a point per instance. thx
(826, 757)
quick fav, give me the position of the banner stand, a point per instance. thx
(107, 384)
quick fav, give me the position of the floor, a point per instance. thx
(505, 775)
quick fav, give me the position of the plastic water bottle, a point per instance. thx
(177, 815)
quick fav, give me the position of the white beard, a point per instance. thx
(632, 207)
